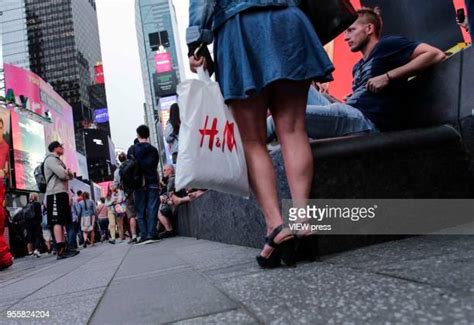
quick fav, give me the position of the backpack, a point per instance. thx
(29, 211)
(131, 175)
(19, 218)
(40, 178)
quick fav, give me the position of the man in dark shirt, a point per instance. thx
(380, 80)
(146, 198)
(381, 76)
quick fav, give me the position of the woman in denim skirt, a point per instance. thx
(266, 54)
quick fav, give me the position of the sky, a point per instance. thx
(123, 75)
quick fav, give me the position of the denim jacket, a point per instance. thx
(205, 16)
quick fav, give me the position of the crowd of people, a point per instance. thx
(66, 221)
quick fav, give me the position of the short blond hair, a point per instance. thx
(34, 197)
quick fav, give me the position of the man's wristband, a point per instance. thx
(388, 77)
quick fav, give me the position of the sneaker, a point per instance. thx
(112, 242)
(133, 241)
(167, 234)
(153, 239)
(141, 241)
(36, 253)
(68, 253)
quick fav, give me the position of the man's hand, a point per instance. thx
(377, 84)
(196, 63)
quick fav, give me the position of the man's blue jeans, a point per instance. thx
(71, 235)
(146, 206)
(329, 120)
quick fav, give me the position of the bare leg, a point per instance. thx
(133, 227)
(165, 222)
(250, 115)
(58, 233)
(29, 247)
(48, 245)
(289, 100)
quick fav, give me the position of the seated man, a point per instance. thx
(170, 200)
(380, 80)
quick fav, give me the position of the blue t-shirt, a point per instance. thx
(385, 108)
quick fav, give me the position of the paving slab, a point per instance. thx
(426, 279)
(160, 299)
(321, 294)
(414, 248)
(71, 308)
(230, 317)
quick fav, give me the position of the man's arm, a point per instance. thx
(57, 169)
(423, 57)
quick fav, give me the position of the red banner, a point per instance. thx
(99, 74)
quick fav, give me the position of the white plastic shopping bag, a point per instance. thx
(211, 153)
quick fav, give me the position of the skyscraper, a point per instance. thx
(161, 62)
(59, 41)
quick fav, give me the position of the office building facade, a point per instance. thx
(161, 61)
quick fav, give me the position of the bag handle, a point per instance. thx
(203, 75)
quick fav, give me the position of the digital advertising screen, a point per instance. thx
(28, 150)
(163, 62)
(43, 100)
(101, 115)
(5, 143)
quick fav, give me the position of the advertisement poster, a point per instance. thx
(101, 115)
(43, 100)
(28, 150)
(5, 144)
(163, 62)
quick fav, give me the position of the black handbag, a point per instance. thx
(329, 17)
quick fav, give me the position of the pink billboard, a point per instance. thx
(163, 62)
(43, 99)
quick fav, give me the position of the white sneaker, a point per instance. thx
(36, 253)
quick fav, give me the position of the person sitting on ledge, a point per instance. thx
(380, 80)
(170, 200)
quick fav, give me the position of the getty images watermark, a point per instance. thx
(381, 217)
(300, 218)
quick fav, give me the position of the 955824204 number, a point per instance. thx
(28, 314)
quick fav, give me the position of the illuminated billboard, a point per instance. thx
(43, 100)
(163, 62)
(99, 74)
(5, 143)
(101, 115)
(28, 150)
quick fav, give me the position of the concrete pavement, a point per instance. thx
(188, 281)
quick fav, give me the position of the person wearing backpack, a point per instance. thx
(87, 215)
(146, 197)
(33, 218)
(57, 197)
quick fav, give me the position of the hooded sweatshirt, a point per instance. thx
(56, 172)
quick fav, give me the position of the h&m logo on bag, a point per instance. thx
(228, 138)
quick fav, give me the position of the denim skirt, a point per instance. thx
(260, 46)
